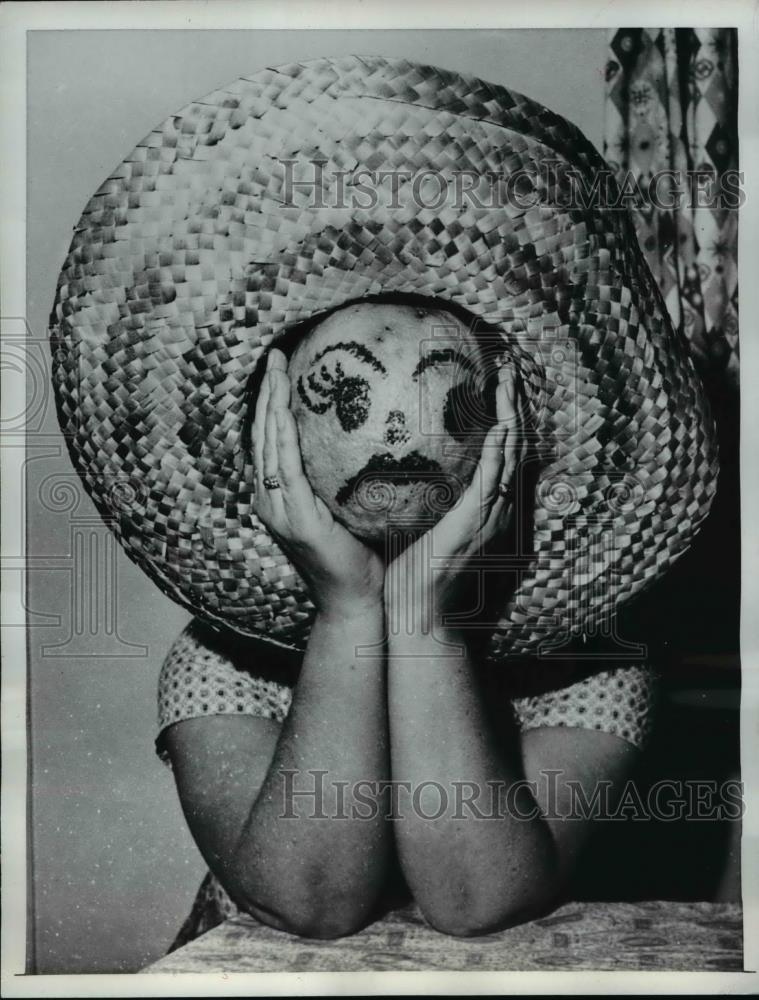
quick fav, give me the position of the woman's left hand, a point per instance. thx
(426, 572)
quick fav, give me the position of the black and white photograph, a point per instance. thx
(378, 469)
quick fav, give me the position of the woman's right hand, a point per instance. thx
(423, 582)
(344, 575)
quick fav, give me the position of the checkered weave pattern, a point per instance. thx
(218, 234)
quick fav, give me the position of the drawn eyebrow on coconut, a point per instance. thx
(358, 351)
(444, 356)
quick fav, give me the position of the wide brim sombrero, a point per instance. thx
(234, 221)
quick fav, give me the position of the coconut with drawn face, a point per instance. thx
(392, 403)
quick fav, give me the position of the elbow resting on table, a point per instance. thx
(476, 908)
(474, 921)
(325, 918)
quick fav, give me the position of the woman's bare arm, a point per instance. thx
(308, 864)
(239, 779)
(491, 860)
(502, 861)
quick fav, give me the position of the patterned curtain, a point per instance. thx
(671, 105)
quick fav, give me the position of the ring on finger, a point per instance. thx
(506, 490)
(271, 483)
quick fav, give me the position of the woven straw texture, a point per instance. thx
(195, 256)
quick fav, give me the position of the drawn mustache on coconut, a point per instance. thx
(388, 484)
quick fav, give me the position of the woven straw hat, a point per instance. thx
(218, 235)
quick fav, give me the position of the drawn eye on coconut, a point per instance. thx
(467, 407)
(328, 386)
(391, 421)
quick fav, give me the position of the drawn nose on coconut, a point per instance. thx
(382, 395)
(396, 434)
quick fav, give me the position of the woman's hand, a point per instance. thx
(342, 573)
(425, 574)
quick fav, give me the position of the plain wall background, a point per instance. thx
(113, 867)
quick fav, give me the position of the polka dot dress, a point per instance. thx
(207, 672)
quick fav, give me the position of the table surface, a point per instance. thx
(602, 936)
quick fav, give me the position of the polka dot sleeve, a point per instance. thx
(620, 702)
(212, 673)
(206, 673)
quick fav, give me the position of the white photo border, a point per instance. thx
(16, 20)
